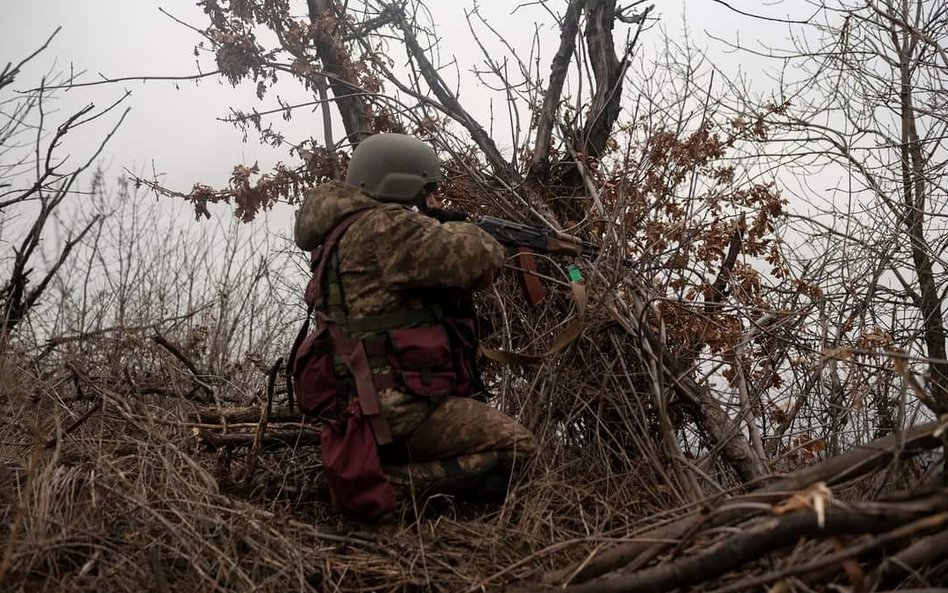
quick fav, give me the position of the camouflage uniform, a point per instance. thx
(389, 261)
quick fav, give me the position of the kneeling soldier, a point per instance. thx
(390, 367)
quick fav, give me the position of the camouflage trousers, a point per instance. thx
(451, 445)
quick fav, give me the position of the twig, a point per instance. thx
(499, 164)
(265, 410)
(106, 80)
(195, 373)
(271, 384)
(52, 343)
(154, 561)
(766, 18)
(9, 73)
(51, 442)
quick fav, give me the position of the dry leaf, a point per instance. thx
(815, 497)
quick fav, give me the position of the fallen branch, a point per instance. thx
(924, 552)
(850, 465)
(265, 410)
(919, 527)
(274, 439)
(51, 442)
(778, 533)
(195, 373)
(248, 415)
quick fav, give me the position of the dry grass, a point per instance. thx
(124, 497)
(104, 485)
(129, 501)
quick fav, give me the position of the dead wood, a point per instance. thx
(705, 410)
(273, 439)
(501, 167)
(836, 470)
(196, 374)
(327, 29)
(261, 430)
(897, 535)
(569, 28)
(774, 534)
(247, 415)
(608, 71)
(52, 441)
(927, 551)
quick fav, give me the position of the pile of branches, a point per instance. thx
(792, 534)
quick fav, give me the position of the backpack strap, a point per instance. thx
(320, 258)
(314, 291)
(335, 300)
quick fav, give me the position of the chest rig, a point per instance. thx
(428, 351)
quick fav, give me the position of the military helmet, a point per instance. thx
(393, 167)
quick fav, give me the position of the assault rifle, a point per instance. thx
(514, 234)
(525, 240)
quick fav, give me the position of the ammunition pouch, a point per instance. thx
(423, 360)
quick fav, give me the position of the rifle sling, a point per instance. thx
(572, 331)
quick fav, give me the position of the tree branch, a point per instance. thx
(499, 164)
(569, 28)
(778, 533)
(851, 465)
(356, 115)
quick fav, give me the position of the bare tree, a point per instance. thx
(864, 84)
(703, 361)
(35, 182)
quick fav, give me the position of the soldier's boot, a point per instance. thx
(482, 477)
(485, 486)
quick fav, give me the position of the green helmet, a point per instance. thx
(393, 167)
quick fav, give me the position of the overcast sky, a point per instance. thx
(175, 128)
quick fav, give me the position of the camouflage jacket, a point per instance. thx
(390, 258)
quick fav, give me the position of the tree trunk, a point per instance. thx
(914, 195)
(356, 112)
(539, 164)
(606, 102)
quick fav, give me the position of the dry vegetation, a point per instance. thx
(748, 408)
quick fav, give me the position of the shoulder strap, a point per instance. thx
(334, 301)
(314, 291)
(320, 257)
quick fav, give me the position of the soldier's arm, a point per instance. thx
(421, 253)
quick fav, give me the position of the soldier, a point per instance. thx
(390, 367)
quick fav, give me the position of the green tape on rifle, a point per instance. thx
(574, 274)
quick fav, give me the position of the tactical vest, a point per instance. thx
(337, 371)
